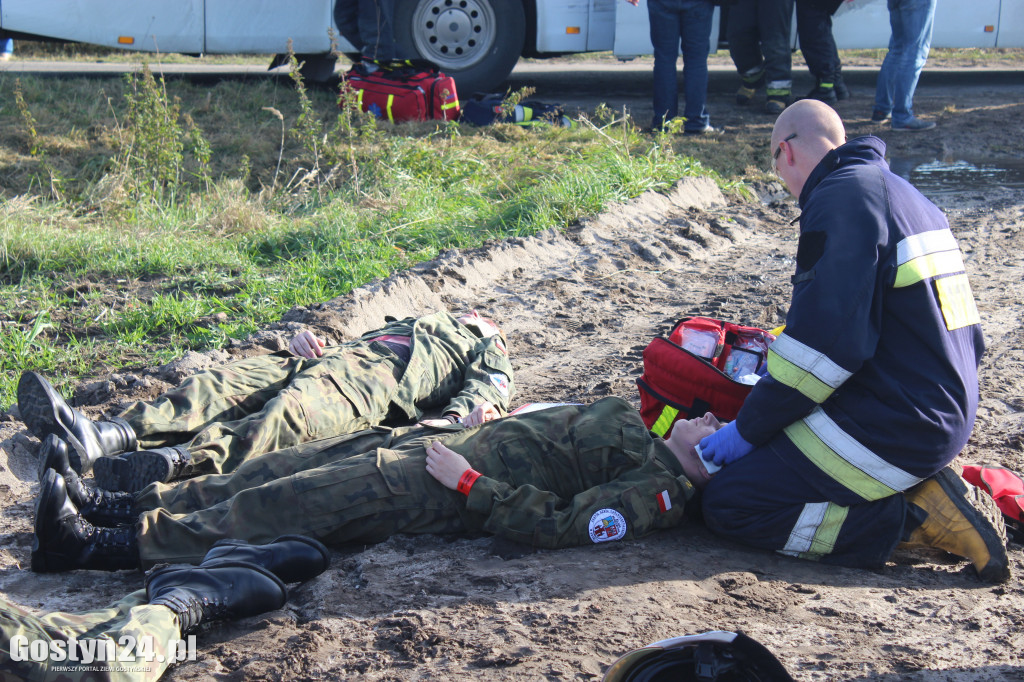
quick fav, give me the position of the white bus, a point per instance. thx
(477, 41)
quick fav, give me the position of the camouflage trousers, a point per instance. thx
(131, 617)
(244, 409)
(352, 488)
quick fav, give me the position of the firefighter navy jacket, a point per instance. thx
(873, 385)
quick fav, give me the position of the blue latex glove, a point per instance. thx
(724, 446)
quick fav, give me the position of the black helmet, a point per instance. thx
(715, 656)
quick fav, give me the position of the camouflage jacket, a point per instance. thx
(450, 367)
(571, 475)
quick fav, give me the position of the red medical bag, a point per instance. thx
(405, 91)
(695, 370)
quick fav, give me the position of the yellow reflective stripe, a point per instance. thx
(957, 302)
(932, 265)
(359, 98)
(785, 372)
(804, 369)
(665, 420)
(450, 105)
(922, 244)
(816, 530)
(391, 100)
(845, 460)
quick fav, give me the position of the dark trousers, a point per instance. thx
(761, 501)
(685, 23)
(814, 27)
(758, 33)
(369, 25)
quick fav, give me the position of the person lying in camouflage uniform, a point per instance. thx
(564, 476)
(131, 640)
(218, 419)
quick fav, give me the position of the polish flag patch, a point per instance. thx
(664, 501)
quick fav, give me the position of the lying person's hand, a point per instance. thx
(307, 345)
(724, 446)
(484, 412)
(446, 465)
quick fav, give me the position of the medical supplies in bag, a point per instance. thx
(705, 365)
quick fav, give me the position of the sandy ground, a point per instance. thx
(580, 306)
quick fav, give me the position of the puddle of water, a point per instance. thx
(938, 176)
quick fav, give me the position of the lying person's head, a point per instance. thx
(482, 327)
(686, 433)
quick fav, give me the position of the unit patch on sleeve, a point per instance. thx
(500, 382)
(606, 525)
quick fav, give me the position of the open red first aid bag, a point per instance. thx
(403, 91)
(705, 365)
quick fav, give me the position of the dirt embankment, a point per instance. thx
(579, 307)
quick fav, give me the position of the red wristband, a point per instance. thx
(467, 480)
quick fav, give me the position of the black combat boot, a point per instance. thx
(44, 412)
(197, 595)
(66, 541)
(133, 471)
(292, 558)
(99, 507)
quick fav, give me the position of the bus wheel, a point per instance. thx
(475, 41)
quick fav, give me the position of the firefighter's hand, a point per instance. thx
(446, 465)
(724, 446)
(307, 345)
(484, 412)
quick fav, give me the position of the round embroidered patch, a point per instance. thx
(606, 525)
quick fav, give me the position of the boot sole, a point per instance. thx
(986, 518)
(131, 473)
(37, 404)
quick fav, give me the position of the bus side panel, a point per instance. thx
(149, 25)
(865, 25)
(265, 26)
(601, 33)
(562, 25)
(1011, 24)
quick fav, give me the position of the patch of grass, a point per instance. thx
(189, 215)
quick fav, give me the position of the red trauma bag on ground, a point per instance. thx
(1006, 488)
(695, 370)
(405, 91)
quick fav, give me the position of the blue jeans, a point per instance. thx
(911, 22)
(685, 22)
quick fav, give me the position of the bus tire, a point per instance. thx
(477, 42)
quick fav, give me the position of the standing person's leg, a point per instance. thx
(917, 19)
(814, 27)
(365, 498)
(376, 28)
(887, 74)
(665, 18)
(696, 30)
(745, 48)
(775, 19)
(346, 17)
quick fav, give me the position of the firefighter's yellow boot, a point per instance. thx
(961, 520)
